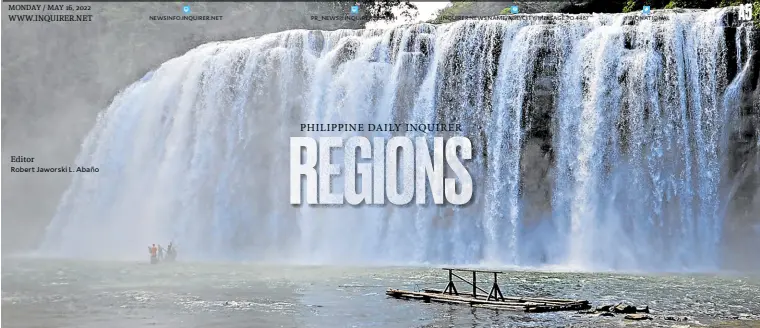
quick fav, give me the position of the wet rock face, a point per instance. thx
(743, 174)
(624, 308)
(537, 155)
(537, 182)
(604, 308)
(629, 312)
(621, 308)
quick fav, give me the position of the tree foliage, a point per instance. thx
(634, 5)
(456, 8)
(388, 10)
(595, 6)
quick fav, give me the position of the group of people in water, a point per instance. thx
(157, 253)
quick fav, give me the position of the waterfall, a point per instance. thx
(599, 143)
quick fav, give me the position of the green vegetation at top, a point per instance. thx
(445, 15)
(457, 8)
(384, 10)
(635, 5)
(474, 8)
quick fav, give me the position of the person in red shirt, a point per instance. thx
(153, 253)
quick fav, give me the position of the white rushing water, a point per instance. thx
(599, 144)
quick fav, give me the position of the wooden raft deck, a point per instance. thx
(494, 299)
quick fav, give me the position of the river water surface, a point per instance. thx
(66, 293)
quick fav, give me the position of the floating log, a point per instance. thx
(498, 307)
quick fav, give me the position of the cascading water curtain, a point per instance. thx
(632, 121)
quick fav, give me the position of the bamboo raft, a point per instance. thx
(494, 300)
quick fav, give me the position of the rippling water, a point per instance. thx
(65, 293)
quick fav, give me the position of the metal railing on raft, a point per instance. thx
(495, 293)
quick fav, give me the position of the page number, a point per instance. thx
(745, 12)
